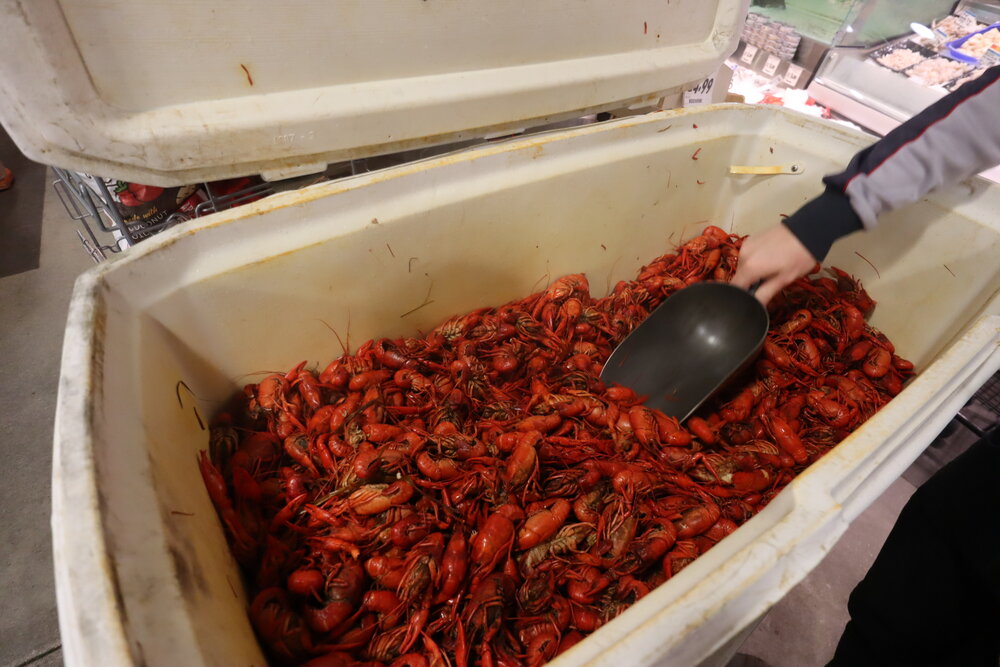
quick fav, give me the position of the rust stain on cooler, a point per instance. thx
(247, 72)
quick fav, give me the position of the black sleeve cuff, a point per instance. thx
(822, 221)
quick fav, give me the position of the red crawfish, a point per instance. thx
(586, 583)
(543, 523)
(377, 498)
(485, 609)
(280, 628)
(244, 544)
(786, 438)
(421, 569)
(492, 542)
(454, 566)
(342, 592)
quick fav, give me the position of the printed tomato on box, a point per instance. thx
(150, 205)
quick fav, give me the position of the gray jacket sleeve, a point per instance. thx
(951, 140)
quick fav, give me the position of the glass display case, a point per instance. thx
(801, 33)
(854, 22)
(878, 73)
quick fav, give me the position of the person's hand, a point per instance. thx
(775, 257)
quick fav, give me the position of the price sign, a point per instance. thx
(991, 57)
(771, 65)
(748, 54)
(968, 16)
(700, 95)
(792, 76)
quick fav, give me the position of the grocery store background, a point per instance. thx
(827, 55)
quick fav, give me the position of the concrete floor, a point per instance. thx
(801, 631)
(32, 317)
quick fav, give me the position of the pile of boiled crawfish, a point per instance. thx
(477, 496)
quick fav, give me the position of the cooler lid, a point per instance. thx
(168, 93)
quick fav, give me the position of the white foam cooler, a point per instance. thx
(174, 327)
(143, 570)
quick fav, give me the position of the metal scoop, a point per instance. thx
(689, 347)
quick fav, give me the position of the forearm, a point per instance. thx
(949, 141)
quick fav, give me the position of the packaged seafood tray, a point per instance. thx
(158, 339)
(956, 26)
(939, 71)
(901, 57)
(959, 49)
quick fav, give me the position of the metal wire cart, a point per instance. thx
(103, 232)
